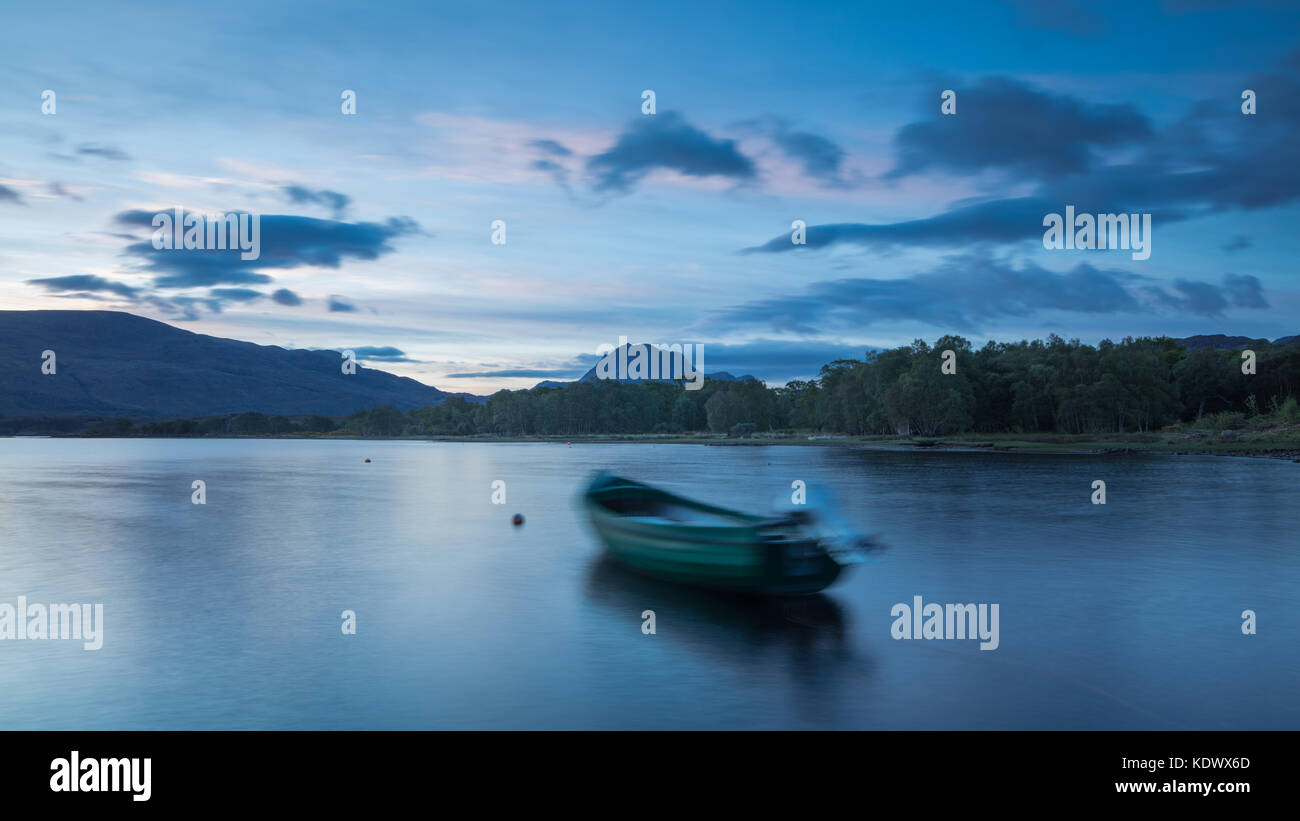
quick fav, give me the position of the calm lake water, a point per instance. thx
(227, 615)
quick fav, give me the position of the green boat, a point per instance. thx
(676, 539)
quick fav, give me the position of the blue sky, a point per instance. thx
(663, 228)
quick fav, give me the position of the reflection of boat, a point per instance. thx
(677, 539)
(723, 621)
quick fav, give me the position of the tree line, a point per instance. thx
(1052, 385)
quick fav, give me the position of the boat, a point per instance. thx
(675, 539)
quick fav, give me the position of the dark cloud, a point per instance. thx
(106, 152)
(7, 194)
(551, 147)
(286, 297)
(996, 221)
(1244, 291)
(385, 353)
(666, 141)
(1211, 161)
(1006, 125)
(88, 286)
(236, 294)
(85, 282)
(964, 292)
(333, 200)
(1187, 296)
(338, 304)
(1238, 243)
(286, 242)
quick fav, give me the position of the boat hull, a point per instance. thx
(741, 555)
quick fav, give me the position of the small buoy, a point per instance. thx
(570, 444)
(367, 461)
(518, 519)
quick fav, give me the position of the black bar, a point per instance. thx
(333, 770)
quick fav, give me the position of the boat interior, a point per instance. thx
(651, 509)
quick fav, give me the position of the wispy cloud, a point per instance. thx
(85, 282)
(104, 152)
(966, 291)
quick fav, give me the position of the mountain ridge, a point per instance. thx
(114, 363)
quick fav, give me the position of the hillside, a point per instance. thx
(111, 363)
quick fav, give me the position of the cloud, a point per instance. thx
(7, 194)
(558, 172)
(85, 282)
(385, 353)
(963, 292)
(1204, 164)
(1238, 243)
(333, 200)
(286, 297)
(1008, 220)
(666, 141)
(183, 307)
(522, 373)
(236, 294)
(88, 286)
(286, 242)
(337, 304)
(551, 147)
(57, 190)
(106, 152)
(1015, 128)
(572, 369)
(1244, 291)
(821, 158)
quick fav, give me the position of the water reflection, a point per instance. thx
(810, 628)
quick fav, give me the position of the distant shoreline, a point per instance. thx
(1279, 444)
